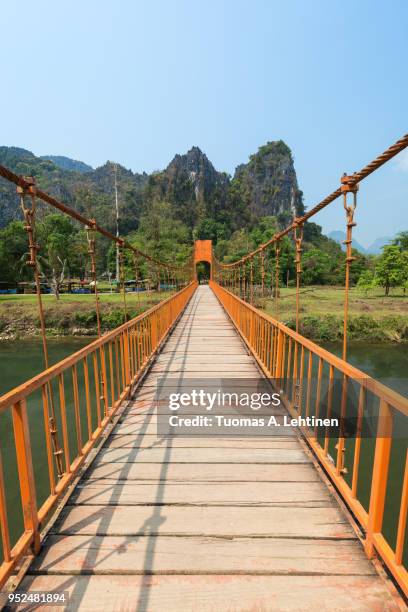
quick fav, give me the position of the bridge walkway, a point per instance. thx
(178, 524)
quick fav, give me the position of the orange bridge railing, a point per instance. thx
(87, 389)
(362, 465)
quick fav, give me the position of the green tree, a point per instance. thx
(163, 237)
(57, 256)
(391, 268)
(366, 281)
(209, 229)
(13, 247)
(401, 240)
(316, 267)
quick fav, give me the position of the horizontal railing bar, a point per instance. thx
(18, 551)
(31, 385)
(387, 554)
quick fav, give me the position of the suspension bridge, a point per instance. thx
(130, 519)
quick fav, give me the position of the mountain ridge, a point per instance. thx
(205, 199)
(375, 248)
(67, 163)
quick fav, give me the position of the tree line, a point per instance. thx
(63, 252)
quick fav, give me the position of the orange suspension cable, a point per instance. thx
(277, 264)
(135, 263)
(29, 217)
(240, 281)
(122, 280)
(379, 161)
(298, 236)
(90, 235)
(251, 277)
(348, 185)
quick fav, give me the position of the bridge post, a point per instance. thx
(26, 472)
(279, 354)
(380, 473)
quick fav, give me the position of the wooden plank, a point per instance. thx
(306, 494)
(204, 472)
(247, 370)
(132, 426)
(213, 521)
(182, 593)
(201, 455)
(207, 349)
(187, 341)
(206, 359)
(164, 555)
(151, 440)
(214, 374)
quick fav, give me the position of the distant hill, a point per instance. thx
(206, 200)
(374, 249)
(339, 236)
(66, 163)
(88, 192)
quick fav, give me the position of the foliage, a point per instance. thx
(366, 281)
(401, 240)
(13, 247)
(391, 268)
(163, 213)
(316, 267)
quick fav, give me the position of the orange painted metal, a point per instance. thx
(125, 370)
(26, 471)
(402, 520)
(348, 186)
(203, 252)
(282, 362)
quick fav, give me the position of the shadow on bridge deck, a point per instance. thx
(213, 523)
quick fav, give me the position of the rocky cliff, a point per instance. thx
(200, 195)
(192, 185)
(268, 182)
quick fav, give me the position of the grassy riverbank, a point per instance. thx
(372, 317)
(72, 315)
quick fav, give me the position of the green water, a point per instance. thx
(20, 360)
(385, 362)
(388, 364)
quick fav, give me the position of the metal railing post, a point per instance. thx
(26, 472)
(380, 474)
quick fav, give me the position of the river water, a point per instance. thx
(20, 360)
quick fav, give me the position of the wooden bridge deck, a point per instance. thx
(178, 524)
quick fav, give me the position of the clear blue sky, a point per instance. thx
(138, 82)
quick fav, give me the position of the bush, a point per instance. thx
(86, 318)
(321, 329)
(112, 319)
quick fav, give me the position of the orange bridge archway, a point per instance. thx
(203, 252)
